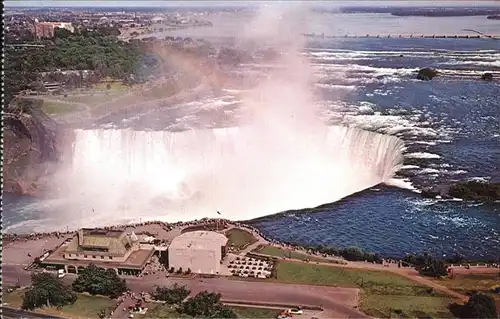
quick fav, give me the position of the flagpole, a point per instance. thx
(217, 221)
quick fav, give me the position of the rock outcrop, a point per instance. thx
(471, 190)
(487, 76)
(474, 190)
(31, 146)
(427, 74)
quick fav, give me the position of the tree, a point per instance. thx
(207, 305)
(62, 33)
(99, 281)
(47, 290)
(434, 268)
(478, 306)
(427, 265)
(174, 295)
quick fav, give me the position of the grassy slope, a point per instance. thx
(240, 238)
(280, 252)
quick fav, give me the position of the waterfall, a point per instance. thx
(243, 172)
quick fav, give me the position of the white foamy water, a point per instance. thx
(422, 155)
(125, 175)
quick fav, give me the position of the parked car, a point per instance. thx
(295, 311)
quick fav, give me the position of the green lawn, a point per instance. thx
(53, 107)
(160, 311)
(240, 238)
(113, 86)
(280, 252)
(93, 100)
(405, 306)
(86, 306)
(253, 312)
(466, 283)
(382, 292)
(165, 311)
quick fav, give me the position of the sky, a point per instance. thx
(167, 3)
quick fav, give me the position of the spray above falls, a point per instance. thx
(283, 157)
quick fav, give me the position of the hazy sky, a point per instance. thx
(148, 3)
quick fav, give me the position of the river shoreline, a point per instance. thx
(205, 223)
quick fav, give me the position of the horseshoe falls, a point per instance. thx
(121, 175)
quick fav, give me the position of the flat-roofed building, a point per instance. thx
(114, 249)
(200, 251)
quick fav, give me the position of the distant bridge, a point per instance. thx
(404, 36)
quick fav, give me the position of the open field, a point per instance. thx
(86, 306)
(118, 85)
(382, 292)
(93, 99)
(239, 238)
(59, 107)
(166, 311)
(385, 306)
(281, 252)
(466, 283)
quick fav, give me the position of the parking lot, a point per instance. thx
(249, 267)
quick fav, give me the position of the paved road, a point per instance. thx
(12, 313)
(337, 302)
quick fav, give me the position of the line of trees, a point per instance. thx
(426, 264)
(350, 253)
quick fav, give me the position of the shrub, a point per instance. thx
(174, 295)
(478, 306)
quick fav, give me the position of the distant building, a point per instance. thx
(113, 249)
(52, 86)
(200, 251)
(47, 29)
(157, 20)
